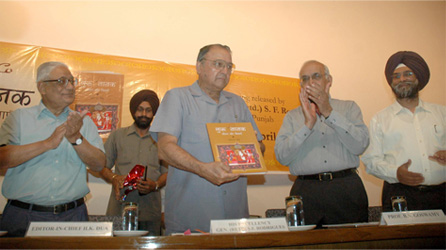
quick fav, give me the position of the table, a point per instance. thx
(403, 236)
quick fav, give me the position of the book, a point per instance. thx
(236, 145)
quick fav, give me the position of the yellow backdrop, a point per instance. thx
(108, 82)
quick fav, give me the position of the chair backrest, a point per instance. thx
(275, 212)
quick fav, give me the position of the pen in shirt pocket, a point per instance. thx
(439, 129)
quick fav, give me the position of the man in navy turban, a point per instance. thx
(411, 60)
(407, 139)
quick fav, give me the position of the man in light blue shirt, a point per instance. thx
(45, 150)
(320, 142)
(200, 189)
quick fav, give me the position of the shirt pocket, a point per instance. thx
(438, 131)
(123, 159)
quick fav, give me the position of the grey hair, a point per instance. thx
(205, 50)
(326, 70)
(46, 68)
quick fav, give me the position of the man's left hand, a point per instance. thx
(440, 157)
(74, 124)
(319, 95)
(145, 187)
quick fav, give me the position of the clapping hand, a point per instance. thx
(407, 177)
(74, 124)
(439, 157)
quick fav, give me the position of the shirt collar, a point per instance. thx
(132, 130)
(43, 110)
(198, 92)
(421, 107)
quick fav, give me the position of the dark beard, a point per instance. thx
(409, 93)
(143, 122)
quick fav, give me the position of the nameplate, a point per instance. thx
(68, 228)
(413, 217)
(249, 225)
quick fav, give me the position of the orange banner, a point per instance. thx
(108, 82)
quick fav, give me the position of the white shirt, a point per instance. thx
(397, 135)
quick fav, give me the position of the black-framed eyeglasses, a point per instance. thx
(63, 81)
(220, 64)
(406, 74)
(316, 76)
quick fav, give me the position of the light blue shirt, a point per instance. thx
(55, 177)
(192, 201)
(333, 144)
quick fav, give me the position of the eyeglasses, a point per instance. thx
(407, 74)
(315, 76)
(141, 109)
(220, 64)
(63, 81)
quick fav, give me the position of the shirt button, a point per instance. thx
(224, 192)
(57, 161)
(323, 133)
(323, 146)
(325, 161)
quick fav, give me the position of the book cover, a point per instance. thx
(236, 145)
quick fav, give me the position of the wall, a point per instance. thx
(353, 38)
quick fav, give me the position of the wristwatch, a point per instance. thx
(78, 141)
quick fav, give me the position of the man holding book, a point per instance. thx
(200, 189)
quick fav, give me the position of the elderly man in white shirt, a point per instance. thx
(407, 139)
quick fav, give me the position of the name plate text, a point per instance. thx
(249, 225)
(413, 217)
(68, 228)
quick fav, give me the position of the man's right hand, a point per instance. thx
(218, 173)
(407, 177)
(308, 109)
(56, 137)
